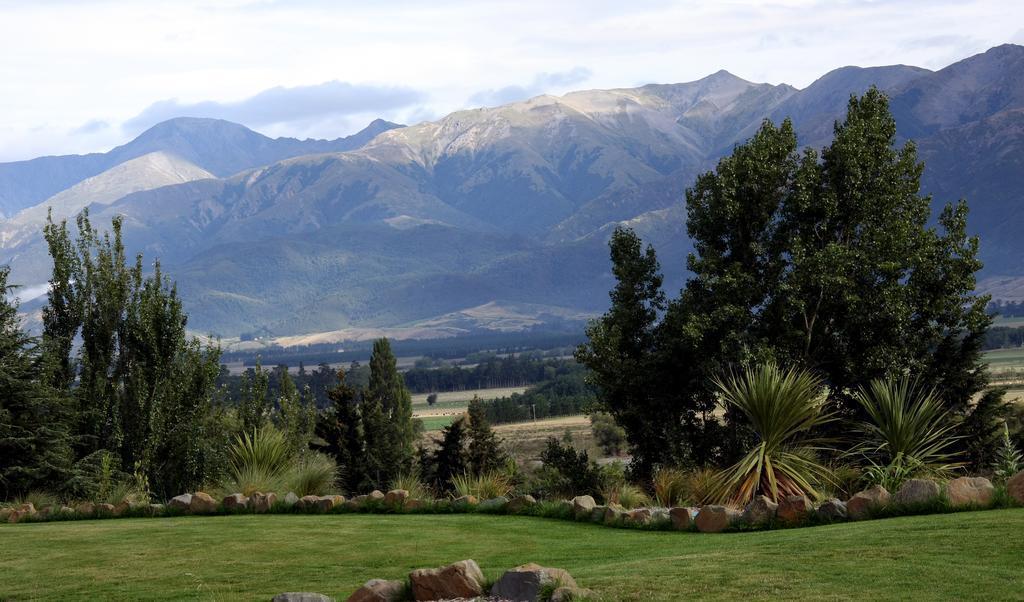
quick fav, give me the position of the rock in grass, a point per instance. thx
(202, 503)
(639, 517)
(105, 509)
(88, 508)
(235, 502)
(597, 514)
(794, 508)
(5, 513)
(462, 579)
(761, 510)
(1015, 487)
(378, 590)
(614, 514)
(583, 505)
(832, 510)
(527, 582)
(682, 518)
(970, 491)
(181, 502)
(465, 501)
(290, 499)
(375, 496)
(396, 497)
(714, 518)
(301, 597)
(326, 503)
(155, 509)
(917, 491)
(495, 504)
(520, 503)
(307, 503)
(863, 502)
(262, 502)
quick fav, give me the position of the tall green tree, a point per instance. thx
(296, 416)
(484, 453)
(142, 383)
(386, 412)
(255, 405)
(449, 459)
(339, 434)
(826, 261)
(35, 440)
(621, 346)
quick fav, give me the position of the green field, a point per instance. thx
(971, 555)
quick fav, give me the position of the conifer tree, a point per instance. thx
(386, 412)
(35, 443)
(483, 452)
(340, 431)
(450, 457)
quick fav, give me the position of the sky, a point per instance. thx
(82, 76)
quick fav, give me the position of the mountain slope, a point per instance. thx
(512, 206)
(220, 147)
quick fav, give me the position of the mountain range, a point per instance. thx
(494, 217)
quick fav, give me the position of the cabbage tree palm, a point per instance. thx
(907, 423)
(785, 408)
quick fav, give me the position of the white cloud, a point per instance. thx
(65, 64)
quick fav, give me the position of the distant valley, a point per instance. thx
(492, 218)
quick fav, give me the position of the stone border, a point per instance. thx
(916, 496)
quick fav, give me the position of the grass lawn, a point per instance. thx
(970, 555)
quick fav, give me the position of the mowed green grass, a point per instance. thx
(971, 555)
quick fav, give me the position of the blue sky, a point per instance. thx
(83, 75)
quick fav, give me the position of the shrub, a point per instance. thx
(783, 407)
(909, 428)
(259, 462)
(892, 475)
(670, 486)
(573, 472)
(628, 496)
(1008, 460)
(485, 486)
(700, 485)
(411, 482)
(610, 437)
(314, 474)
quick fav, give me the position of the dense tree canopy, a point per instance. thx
(827, 261)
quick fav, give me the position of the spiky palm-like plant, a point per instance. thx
(907, 423)
(260, 459)
(784, 408)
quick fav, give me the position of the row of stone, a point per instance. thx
(963, 492)
(464, 580)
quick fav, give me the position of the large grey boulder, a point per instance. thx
(760, 510)
(714, 518)
(682, 518)
(526, 583)
(917, 491)
(262, 502)
(794, 508)
(396, 497)
(495, 504)
(235, 502)
(583, 505)
(970, 491)
(378, 590)
(180, 502)
(832, 510)
(863, 502)
(290, 499)
(521, 503)
(462, 579)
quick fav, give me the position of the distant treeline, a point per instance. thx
(490, 372)
(1004, 337)
(453, 348)
(564, 395)
(1008, 309)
